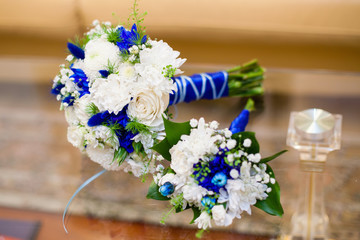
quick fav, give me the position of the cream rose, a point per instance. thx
(147, 107)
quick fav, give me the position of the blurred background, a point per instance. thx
(311, 50)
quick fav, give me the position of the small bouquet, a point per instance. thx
(116, 87)
(218, 173)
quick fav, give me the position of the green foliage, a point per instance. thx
(136, 127)
(153, 193)
(138, 147)
(271, 204)
(113, 35)
(120, 155)
(163, 148)
(174, 130)
(250, 105)
(80, 41)
(268, 159)
(196, 212)
(137, 18)
(169, 71)
(241, 136)
(92, 109)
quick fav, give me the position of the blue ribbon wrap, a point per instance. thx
(200, 86)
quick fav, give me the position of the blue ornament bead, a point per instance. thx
(166, 189)
(219, 179)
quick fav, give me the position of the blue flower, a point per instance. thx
(205, 172)
(69, 100)
(117, 122)
(129, 38)
(240, 122)
(219, 179)
(56, 90)
(81, 80)
(104, 73)
(208, 203)
(76, 51)
(166, 189)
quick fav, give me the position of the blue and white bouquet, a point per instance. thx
(115, 90)
(117, 84)
(218, 173)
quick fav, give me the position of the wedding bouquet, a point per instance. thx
(117, 85)
(218, 173)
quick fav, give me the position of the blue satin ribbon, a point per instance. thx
(200, 86)
(77, 191)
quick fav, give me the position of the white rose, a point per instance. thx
(147, 107)
(218, 214)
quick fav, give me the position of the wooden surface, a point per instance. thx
(81, 228)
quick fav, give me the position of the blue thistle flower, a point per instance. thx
(166, 189)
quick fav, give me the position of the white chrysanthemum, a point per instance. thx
(152, 77)
(200, 142)
(99, 54)
(146, 140)
(148, 106)
(169, 177)
(111, 94)
(180, 161)
(80, 108)
(75, 136)
(127, 71)
(161, 55)
(103, 156)
(137, 166)
(193, 193)
(245, 191)
(203, 221)
(71, 117)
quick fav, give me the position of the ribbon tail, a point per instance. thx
(76, 192)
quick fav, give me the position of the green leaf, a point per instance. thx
(174, 130)
(163, 148)
(271, 204)
(196, 212)
(268, 159)
(241, 136)
(153, 193)
(138, 147)
(120, 155)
